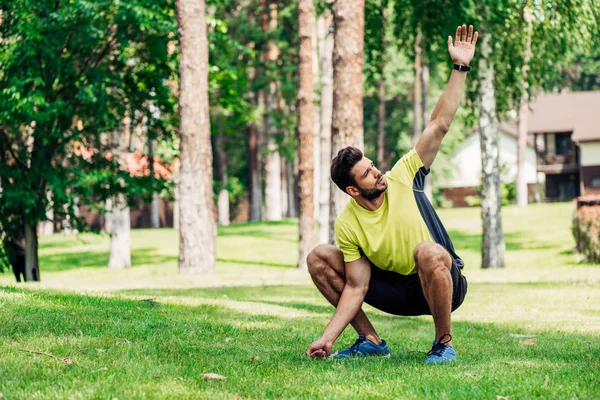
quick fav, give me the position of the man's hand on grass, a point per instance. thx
(320, 348)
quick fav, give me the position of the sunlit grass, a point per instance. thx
(124, 345)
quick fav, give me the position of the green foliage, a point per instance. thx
(71, 71)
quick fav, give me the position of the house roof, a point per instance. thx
(504, 127)
(577, 112)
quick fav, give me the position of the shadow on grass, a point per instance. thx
(98, 259)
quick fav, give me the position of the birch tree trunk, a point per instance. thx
(493, 237)
(291, 189)
(197, 228)
(154, 213)
(285, 211)
(424, 78)
(255, 175)
(316, 117)
(222, 176)
(324, 27)
(46, 228)
(119, 216)
(273, 158)
(522, 195)
(347, 121)
(381, 157)
(417, 91)
(120, 234)
(32, 268)
(305, 130)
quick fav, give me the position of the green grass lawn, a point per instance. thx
(252, 321)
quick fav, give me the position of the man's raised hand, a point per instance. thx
(463, 49)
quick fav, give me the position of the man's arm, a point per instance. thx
(461, 53)
(358, 275)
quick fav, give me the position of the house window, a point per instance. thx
(563, 143)
(595, 182)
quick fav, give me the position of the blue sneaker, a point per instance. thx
(363, 347)
(440, 352)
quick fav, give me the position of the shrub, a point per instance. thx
(586, 230)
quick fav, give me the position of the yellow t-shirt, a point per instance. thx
(389, 235)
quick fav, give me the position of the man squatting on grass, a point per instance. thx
(394, 253)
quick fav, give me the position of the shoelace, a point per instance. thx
(354, 347)
(440, 346)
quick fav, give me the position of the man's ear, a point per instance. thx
(352, 191)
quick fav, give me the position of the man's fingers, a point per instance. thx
(464, 33)
(457, 38)
(475, 38)
(449, 42)
(470, 34)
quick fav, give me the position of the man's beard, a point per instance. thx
(371, 194)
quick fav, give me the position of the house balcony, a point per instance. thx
(563, 163)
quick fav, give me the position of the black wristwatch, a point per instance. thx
(459, 67)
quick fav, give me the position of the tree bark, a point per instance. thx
(291, 189)
(347, 121)
(255, 175)
(221, 167)
(197, 228)
(305, 130)
(381, 158)
(154, 213)
(32, 268)
(120, 234)
(273, 158)
(493, 237)
(325, 23)
(46, 227)
(522, 194)
(285, 210)
(316, 117)
(417, 91)
(119, 216)
(424, 78)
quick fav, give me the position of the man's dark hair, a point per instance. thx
(341, 166)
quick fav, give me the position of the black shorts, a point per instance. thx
(398, 294)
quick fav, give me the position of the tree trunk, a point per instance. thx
(285, 210)
(347, 121)
(273, 158)
(291, 189)
(255, 176)
(326, 65)
(316, 118)
(522, 195)
(305, 130)
(32, 268)
(424, 78)
(493, 237)
(46, 228)
(417, 91)
(154, 214)
(381, 158)
(120, 234)
(119, 216)
(176, 204)
(221, 164)
(197, 228)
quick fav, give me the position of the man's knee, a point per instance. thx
(316, 259)
(431, 256)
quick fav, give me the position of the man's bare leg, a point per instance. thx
(326, 268)
(433, 265)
